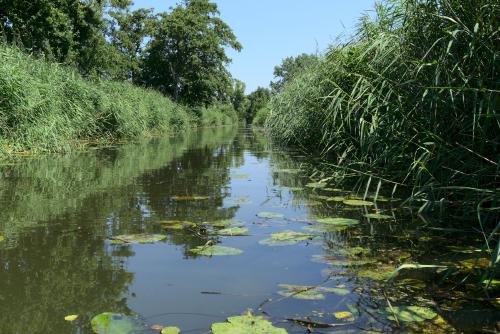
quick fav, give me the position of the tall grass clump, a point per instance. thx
(49, 107)
(412, 97)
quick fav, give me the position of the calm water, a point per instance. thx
(58, 213)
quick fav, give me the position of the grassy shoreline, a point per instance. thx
(48, 107)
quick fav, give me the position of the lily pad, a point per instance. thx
(336, 199)
(190, 198)
(310, 292)
(215, 250)
(357, 202)
(221, 223)
(286, 238)
(170, 330)
(316, 185)
(246, 324)
(137, 238)
(338, 221)
(344, 315)
(324, 228)
(333, 261)
(233, 231)
(71, 317)
(380, 273)
(270, 215)
(2, 238)
(410, 313)
(176, 224)
(377, 216)
(115, 323)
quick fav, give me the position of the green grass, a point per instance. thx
(49, 107)
(411, 98)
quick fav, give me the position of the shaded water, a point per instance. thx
(59, 214)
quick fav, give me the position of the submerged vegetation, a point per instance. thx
(411, 100)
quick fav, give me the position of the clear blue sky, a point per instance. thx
(271, 30)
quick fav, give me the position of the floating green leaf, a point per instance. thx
(246, 324)
(316, 185)
(221, 223)
(170, 330)
(310, 292)
(333, 261)
(286, 238)
(137, 238)
(410, 313)
(377, 216)
(338, 221)
(380, 273)
(344, 315)
(71, 317)
(270, 215)
(190, 198)
(233, 231)
(336, 199)
(357, 202)
(176, 224)
(2, 238)
(215, 250)
(115, 323)
(325, 228)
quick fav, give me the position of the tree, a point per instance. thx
(67, 31)
(258, 100)
(289, 68)
(186, 57)
(127, 31)
(238, 98)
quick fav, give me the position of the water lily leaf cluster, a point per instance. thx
(176, 224)
(338, 221)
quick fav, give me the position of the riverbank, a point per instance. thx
(50, 107)
(412, 99)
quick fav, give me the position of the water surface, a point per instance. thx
(59, 214)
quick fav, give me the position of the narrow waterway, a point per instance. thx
(310, 257)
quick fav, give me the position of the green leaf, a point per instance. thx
(310, 292)
(410, 313)
(176, 224)
(215, 250)
(377, 216)
(137, 238)
(357, 202)
(246, 324)
(170, 330)
(270, 215)
(286, 238)
(71, 317)
(115, 323)
(233, 231)
(2, 238)
(316, 185)
(221, 223)
(338, 221)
